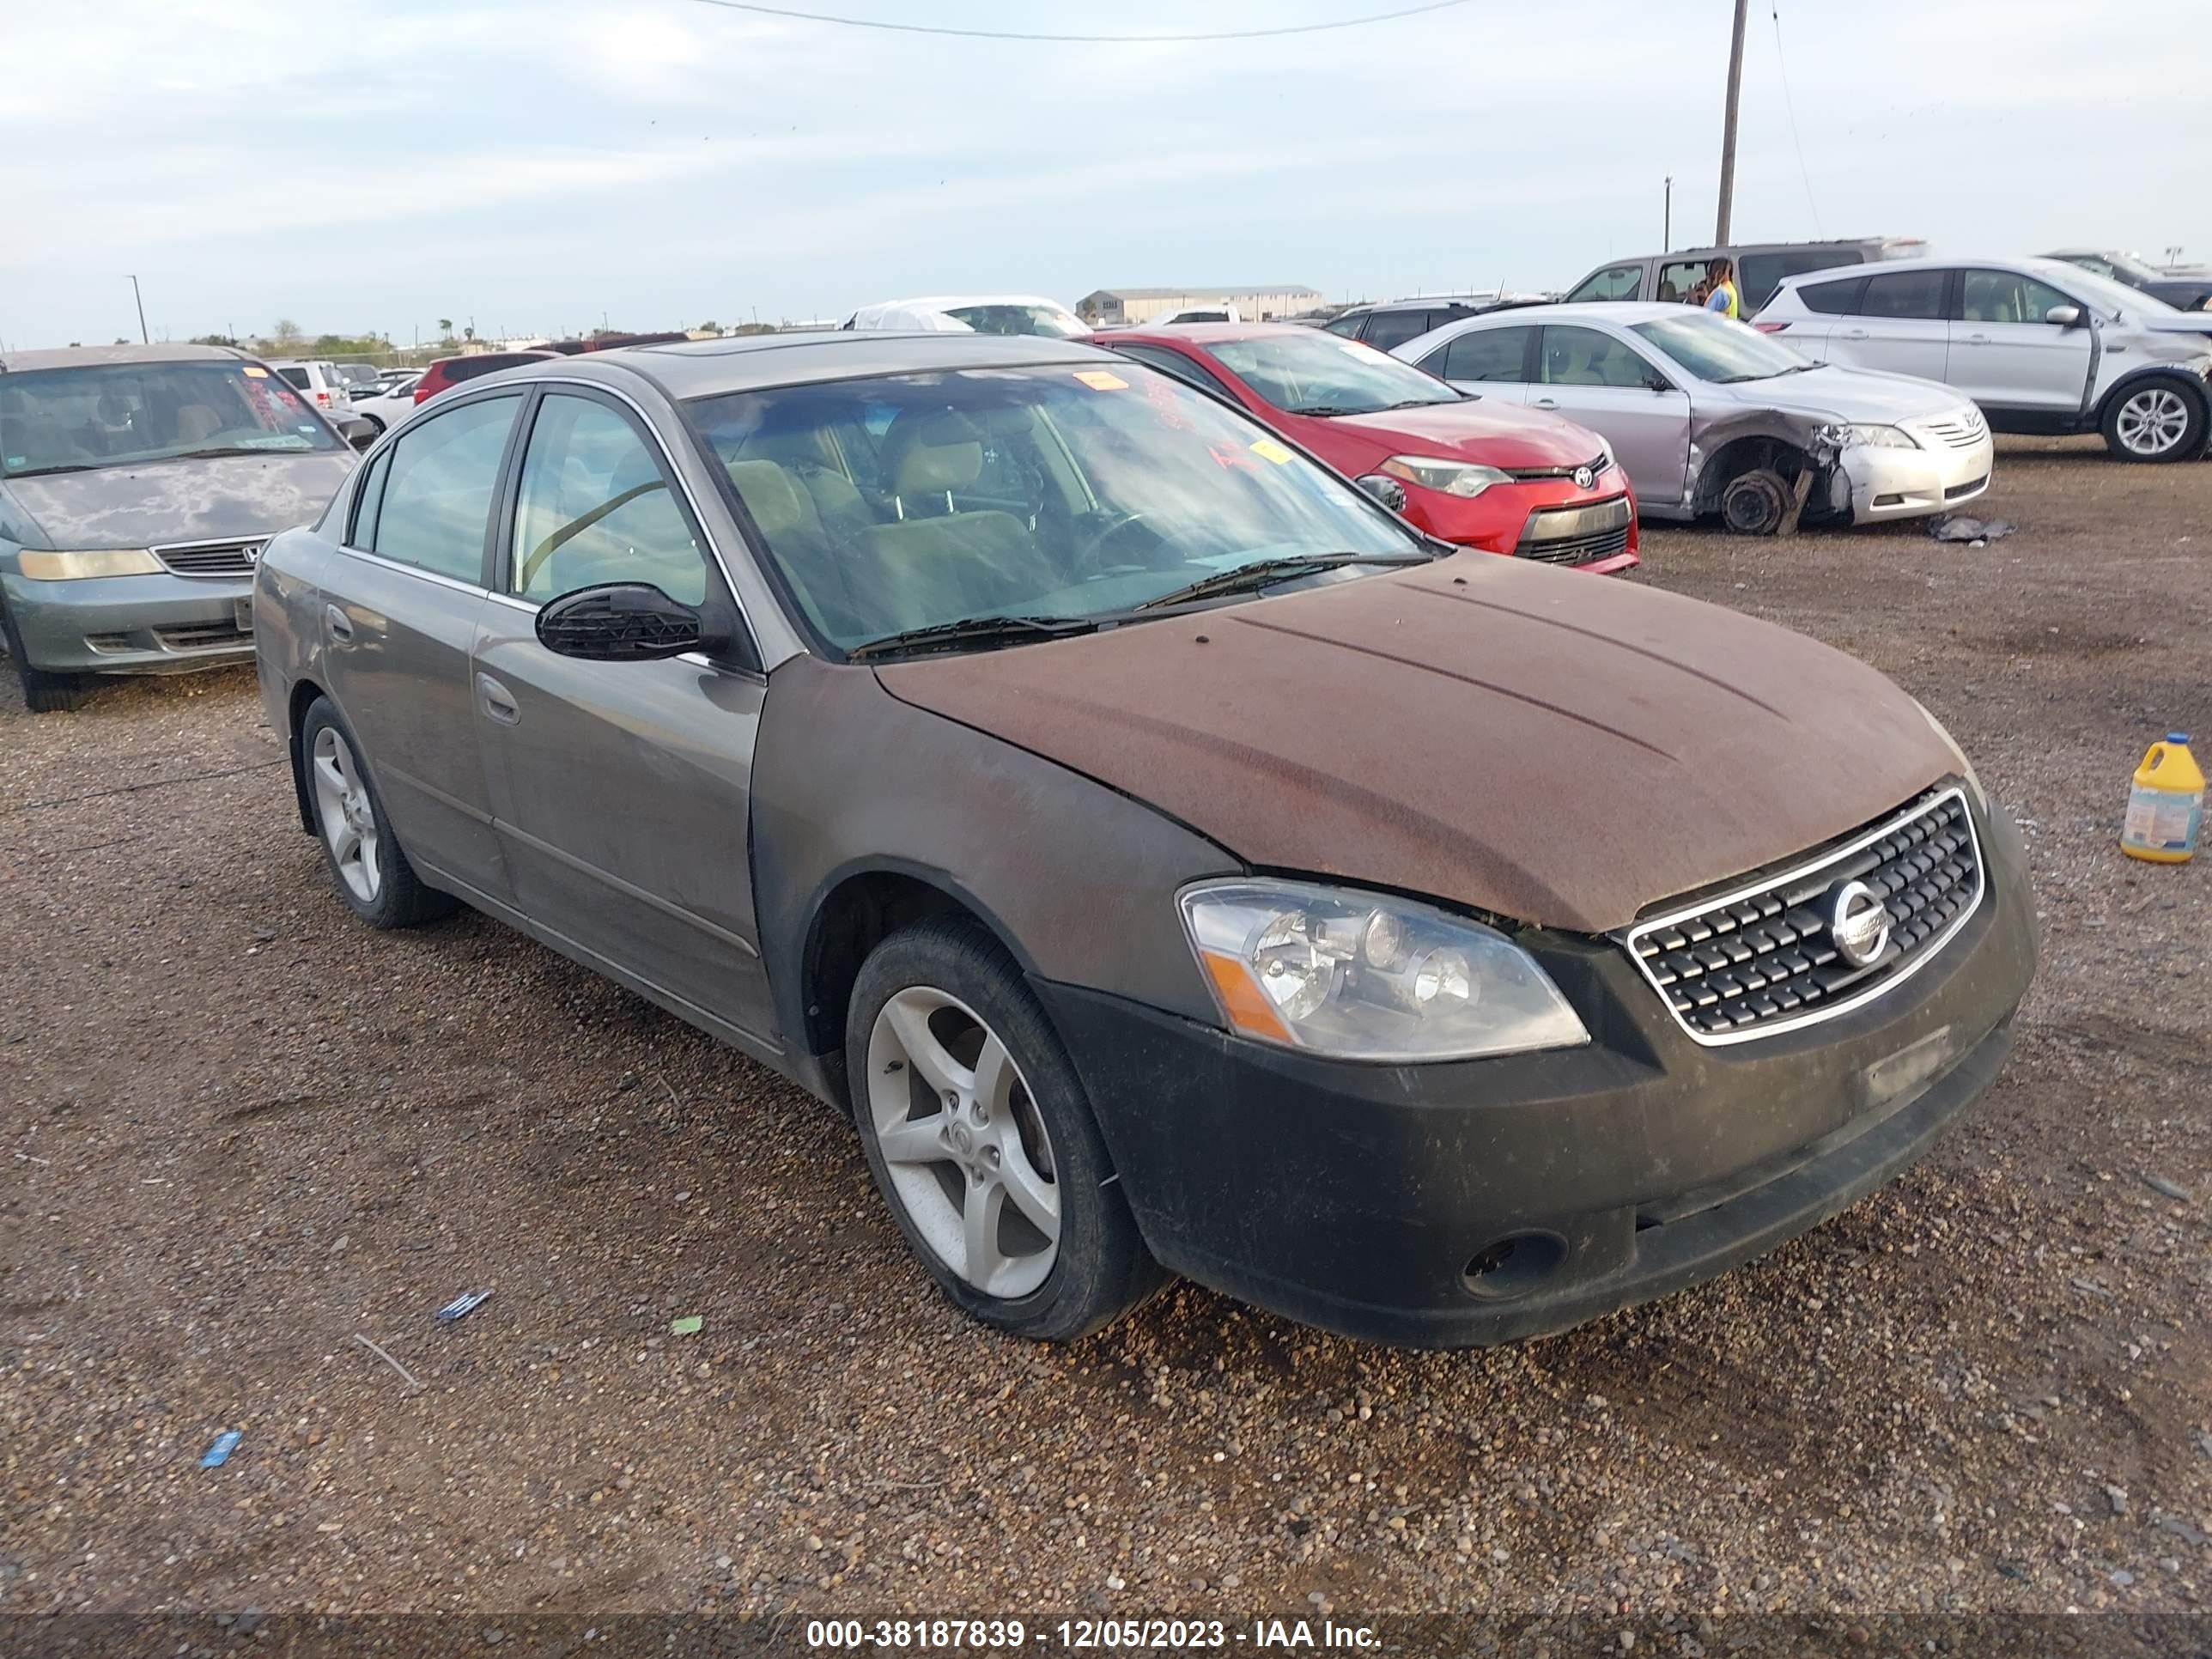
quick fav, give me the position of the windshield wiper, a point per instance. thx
(1262, 573)
(974, 630)
(220, 450)
(1322, 411)
(1415, 402)
(66, 467)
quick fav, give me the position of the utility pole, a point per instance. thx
(144, 338)
(1728, 127)
(1667, 219)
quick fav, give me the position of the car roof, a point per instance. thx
(705, 369)
(1202, 334)
(2054, 269)
(15, 362)
(1622, 311)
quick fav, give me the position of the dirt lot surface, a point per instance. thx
(241, 1129)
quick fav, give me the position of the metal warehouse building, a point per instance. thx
(1109, 306)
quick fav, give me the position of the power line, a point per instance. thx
(1791, 108)
(1080, 39)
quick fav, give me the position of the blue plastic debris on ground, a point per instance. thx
(468, 1302)
(219, 1454)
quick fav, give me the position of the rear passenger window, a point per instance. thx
(1387, 329)
(1487, 354)
(1614, 282)
(438, 486)
(596, 507)
(1916, 293)
(295, 377)
(1347, 326)
(365, 501)
(1760, 274)
(1836, 299)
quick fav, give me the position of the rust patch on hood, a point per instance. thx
(1534, 743)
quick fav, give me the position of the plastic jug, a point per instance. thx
(2166, 807)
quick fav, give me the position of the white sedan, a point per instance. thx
(1709, 416)
(389, 405)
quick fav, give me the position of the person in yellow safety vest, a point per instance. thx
(1723, 298)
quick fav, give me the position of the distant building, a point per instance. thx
(1110, 306)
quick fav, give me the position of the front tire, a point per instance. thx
(43, 693)
(2163, 419)
(981, 1140)
(1754, 503)
(373, 874)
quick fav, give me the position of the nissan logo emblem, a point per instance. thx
(1859, 924)
(1584, 479)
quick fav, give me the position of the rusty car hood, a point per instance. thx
(1523, 741)
(146, 503)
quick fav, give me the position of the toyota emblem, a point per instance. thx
(1859, 924)
(1584, 479)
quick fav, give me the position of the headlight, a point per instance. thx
(80, 565)
(1360, 976)
(1966, 767)
(1452, 477)
(1872, 437)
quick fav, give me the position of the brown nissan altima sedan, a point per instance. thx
(1171, 860)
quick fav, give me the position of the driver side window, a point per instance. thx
(595, 506)
(1583, 356)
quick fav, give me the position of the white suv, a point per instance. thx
(319, 382)
(2041, 345)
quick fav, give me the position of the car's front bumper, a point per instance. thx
(1358, 1198)
(1497, 520)
(151, 624)
(1905, 483)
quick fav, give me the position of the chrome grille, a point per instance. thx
(1595, 464)
(1763, 959)
(1576, 535)
(1963, 432)
(235, 558)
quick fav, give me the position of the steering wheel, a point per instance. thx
(1087, 557)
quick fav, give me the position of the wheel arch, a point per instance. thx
(2189, 385)
(854, 910)
(302, 697)
(1787, 455)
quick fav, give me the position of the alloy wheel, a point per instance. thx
(2152, 421)
(964, 1145)
(347, 816)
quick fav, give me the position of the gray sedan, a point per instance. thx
(1171, 859)
(137, 484)
(1709, 416)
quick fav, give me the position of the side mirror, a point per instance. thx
(1657, 382)
(357, 430)
(2064, 316)
(630, 621)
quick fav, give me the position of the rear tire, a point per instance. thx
(973, 1121)
(1754, 503)
(2162, 418)
(371, 871)
(43, 693)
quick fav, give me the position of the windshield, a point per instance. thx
(2106, 293)
(1049, 321)
(1310, 373)
(356, 373)
(1715, 349)
(112, 414)
(1072, 490)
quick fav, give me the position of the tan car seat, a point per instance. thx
(936, 569)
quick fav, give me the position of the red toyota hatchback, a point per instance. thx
(1478, 471)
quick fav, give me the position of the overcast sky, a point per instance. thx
(534, 164)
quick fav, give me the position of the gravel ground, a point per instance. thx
(241, 1129)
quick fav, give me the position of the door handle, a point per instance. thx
(1544, 402)
(497, 701)
(1977, 339)
(341, 629)
(1854, 334)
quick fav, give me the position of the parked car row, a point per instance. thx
(1171, 859)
